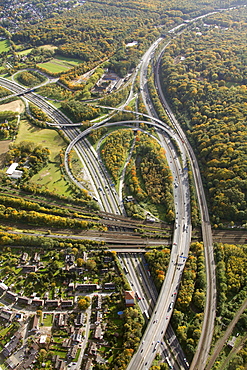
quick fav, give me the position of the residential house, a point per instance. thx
(62, 319)
(38, 302)
(52, 303)
(35, 323)
(66, 343)
(80, 319)
(98, 318)
(27, 363)
(76, 269)
(70, 259)
(24, 301)
(67, 304)
(73, 351)
(3, 288)
(9, 362)
(71, 287)
(129, 296)
(86, 287)
(29, 268)
(93, 349)
(24, 257)
(77, 336)
(109, 286)
(88, 365)
(6, 315)
(11, 296)
(99, 302)
(11, 346)
(59, 364)
(36, 258)
(98, 332)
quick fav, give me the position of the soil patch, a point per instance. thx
(14, 106)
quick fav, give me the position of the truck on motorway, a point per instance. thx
(169, 362)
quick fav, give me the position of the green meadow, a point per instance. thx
(60, 64)
(4, 45)
(50, 176)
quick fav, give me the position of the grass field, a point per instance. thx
(56, 104)
(4, 45)
(48, 47)
(45, 137)
(24, 52)
(60, 64)
(50, 176)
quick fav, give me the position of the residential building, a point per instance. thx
(3, 288)
(24, 301)
(129, 298)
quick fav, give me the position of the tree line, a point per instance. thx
(204, 76)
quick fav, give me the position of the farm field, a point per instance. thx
(4, 45)
(59, 64)
(14, 106)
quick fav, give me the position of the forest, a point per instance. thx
(148, 177)
(114, 151)
(100, 30)
(204, 77)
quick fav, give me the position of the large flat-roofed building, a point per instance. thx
(13, 172)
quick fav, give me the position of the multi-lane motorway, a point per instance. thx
(201, 355)
(140, 280)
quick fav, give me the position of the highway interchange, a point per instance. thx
(163, 310)
(155, 334)
(110, 201)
